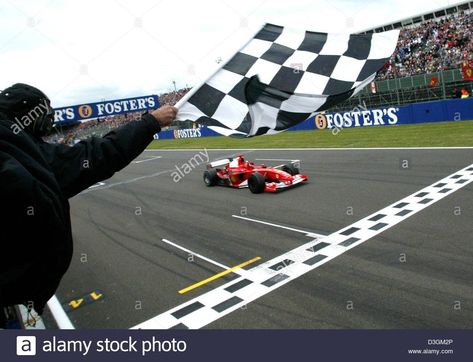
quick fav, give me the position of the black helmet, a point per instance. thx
(28, 108)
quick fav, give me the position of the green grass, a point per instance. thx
(443, 134)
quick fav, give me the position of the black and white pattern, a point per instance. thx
(283, 76)
(267, 277)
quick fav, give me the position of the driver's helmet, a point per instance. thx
(234, 163)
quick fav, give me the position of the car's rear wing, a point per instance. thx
(218, 163)
(226, 161)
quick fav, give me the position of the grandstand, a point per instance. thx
(436, 15)
(426, 65)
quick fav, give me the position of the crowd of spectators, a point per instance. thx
(99, 127)
(96, 127)
(171, 98)
(432, 46)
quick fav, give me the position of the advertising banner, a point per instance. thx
(85, 112)
(425, 112)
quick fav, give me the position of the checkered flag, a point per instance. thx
(283, 76)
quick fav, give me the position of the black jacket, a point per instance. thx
(36, 181)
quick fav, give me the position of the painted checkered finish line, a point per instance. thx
(266, 277)
(283, 76)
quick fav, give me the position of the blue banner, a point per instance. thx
(426, 112)
(85, 112)
(186, 133)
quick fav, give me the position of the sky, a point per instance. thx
(86, 51)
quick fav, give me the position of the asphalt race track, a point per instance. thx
(416, 274)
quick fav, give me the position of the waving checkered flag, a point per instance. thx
(283, 76)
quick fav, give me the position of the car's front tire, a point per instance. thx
(290, 169)
(256, 183)
(210, 177)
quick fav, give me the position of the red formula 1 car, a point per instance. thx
(238, 173)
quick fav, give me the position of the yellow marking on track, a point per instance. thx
(76, 303)
(96, 296)
(219, 275)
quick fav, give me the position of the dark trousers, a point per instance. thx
(9, 318)
(3, 318)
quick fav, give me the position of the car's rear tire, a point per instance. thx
(210, 177)
(256, 183)
(290, 169)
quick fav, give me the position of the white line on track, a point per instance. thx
(124, 182)
(271, 275)
(59, 314)
(98, 184)
(148, 159)
(274, 159)
(310, 149)
(198, 255)
(307, 233)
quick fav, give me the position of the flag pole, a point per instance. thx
(194, 89)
